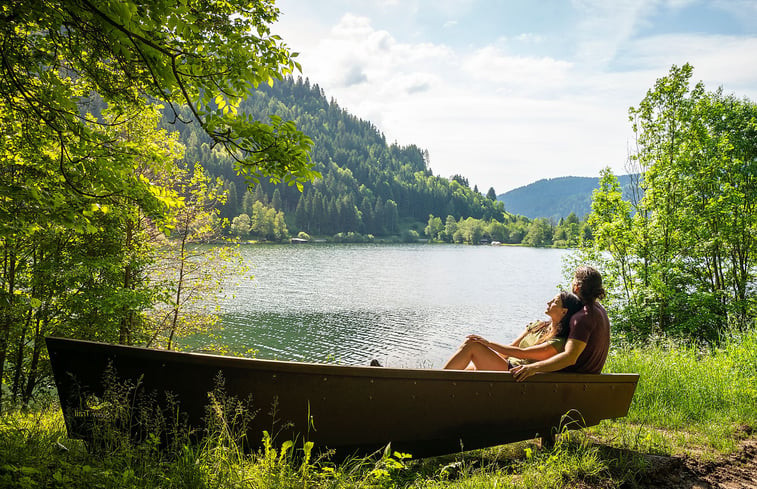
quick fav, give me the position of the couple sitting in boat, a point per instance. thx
(575, 339)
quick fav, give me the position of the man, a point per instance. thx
(589, 338)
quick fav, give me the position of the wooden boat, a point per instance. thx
(353, 409)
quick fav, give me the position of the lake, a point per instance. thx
(407, 305)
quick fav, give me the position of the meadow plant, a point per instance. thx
(705, 394)
(687, 396)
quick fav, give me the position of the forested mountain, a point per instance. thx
(556, 198)
(367, 185)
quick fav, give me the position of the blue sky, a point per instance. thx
(509, 92)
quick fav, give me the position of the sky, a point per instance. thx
(508, 92)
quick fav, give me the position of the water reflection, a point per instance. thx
(406, 305)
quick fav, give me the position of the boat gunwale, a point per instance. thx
(312, 368)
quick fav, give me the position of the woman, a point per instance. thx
(540, 340)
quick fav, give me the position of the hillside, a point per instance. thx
(555, 197)
(367, 185)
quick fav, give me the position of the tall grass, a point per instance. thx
(706, 395)
(683, 385)
(687, 397)
(34, 452)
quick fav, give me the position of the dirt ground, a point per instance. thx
(739, 471)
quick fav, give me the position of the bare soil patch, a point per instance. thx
(738, 471)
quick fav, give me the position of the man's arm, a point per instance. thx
(566, 358)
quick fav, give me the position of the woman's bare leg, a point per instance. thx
(480, 356)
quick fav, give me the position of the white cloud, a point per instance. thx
(529, 37)
(516, 73)
(352, 27)
(745, 11)
(498, 116)
(354, 76)
(729, 61)
(357, 52)
(607, 25)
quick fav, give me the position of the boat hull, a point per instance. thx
(348, 409)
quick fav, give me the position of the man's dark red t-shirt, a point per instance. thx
(591, 326)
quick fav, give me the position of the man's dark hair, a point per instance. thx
(589, 284)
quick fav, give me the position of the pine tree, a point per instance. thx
(247, 201)
(276, 200)
(300, 214)
(231, 208)
(260, 195)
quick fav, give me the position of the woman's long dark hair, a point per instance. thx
(573, 304)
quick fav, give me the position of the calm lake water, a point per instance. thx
(406, 305)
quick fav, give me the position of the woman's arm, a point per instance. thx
(541, 351)
(534, 326)
(520, 338)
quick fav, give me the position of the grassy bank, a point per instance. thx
(689, 401)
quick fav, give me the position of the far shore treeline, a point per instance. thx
(126, 141)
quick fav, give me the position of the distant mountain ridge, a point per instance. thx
(556, 197)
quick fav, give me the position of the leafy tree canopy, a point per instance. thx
(681, 255)
(85, 176)
(58, 56)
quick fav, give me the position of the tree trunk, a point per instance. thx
(17, 377)
(124, 332)
(6, 309)
(182, 260)
(31, 380)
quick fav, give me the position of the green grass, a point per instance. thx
(692, 401)
(689, 397)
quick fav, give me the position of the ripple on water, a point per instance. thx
(406, 305)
